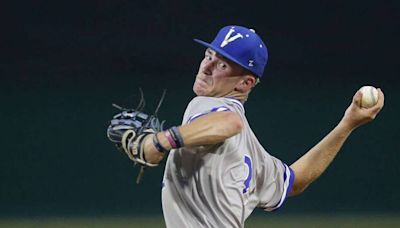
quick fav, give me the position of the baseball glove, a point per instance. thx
(129, 128)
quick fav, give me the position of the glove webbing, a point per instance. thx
(152, 124)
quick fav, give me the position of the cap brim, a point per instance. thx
(221, 52)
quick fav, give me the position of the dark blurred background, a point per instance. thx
(63, 63)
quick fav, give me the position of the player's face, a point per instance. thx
(217, 76)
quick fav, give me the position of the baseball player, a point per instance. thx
(217, 172)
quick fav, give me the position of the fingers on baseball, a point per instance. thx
(371, 113)
(379, 105)
(381, 98)
(357, 98)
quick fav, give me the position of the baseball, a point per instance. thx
(369, 96)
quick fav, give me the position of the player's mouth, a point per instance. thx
(200, 86)
(201, 82)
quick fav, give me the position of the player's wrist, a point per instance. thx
(164, 141)
(152, 154)
(174, 137)
(160, 145)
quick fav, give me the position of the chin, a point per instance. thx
(198, 90)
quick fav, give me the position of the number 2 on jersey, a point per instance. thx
(247, 161)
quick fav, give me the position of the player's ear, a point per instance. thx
(246, 83)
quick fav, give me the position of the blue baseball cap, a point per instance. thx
(242, 46)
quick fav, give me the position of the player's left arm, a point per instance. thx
(312, 164)
(212, 128)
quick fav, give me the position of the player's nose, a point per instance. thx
(207, 67)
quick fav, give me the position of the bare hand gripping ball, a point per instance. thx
(369, 96)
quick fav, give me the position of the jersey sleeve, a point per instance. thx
(272, 194)
(201, 106)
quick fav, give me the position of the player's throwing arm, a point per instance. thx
(365, 106)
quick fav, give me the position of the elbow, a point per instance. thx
(234, 123)
(301, 181)
(297, 190)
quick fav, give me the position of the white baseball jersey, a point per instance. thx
(220, 185)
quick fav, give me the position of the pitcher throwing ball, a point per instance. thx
(217, 172)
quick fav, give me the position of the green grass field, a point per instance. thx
(324, 221)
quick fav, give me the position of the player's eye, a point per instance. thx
(222, 66)
(208, 57)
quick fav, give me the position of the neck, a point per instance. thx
(242, 97)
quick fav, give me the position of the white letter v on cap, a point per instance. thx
(229, 39)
